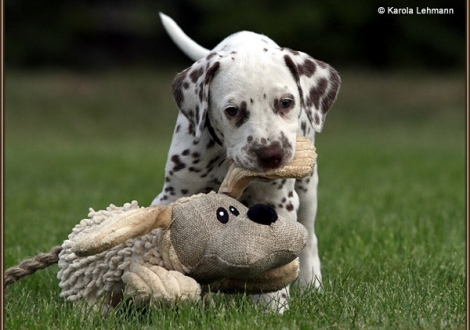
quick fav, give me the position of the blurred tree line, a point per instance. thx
(91, 34)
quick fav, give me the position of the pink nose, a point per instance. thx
(271, 156)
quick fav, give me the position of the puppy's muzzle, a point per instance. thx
(271, 156)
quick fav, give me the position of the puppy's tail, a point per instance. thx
(193, 50)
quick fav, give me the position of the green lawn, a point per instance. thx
(391, 221)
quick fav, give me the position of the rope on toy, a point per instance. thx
(30, 266)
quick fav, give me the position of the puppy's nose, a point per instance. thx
(262, 214)
(271, 156)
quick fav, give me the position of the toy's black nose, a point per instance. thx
(262, 214)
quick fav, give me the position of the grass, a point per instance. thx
(391, 221)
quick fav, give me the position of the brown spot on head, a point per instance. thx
(196, 74)
(330, 97)
(211, 71)
(177, 87)
(316, 93)
(243, 114)
(307, 68)
(293, 69)
(211, 55)
(316, 119)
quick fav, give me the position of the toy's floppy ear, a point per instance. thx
(119, 228)
(191, 91)
(318, 85)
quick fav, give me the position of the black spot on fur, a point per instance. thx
(211, 71)
(293, 69)
(290, 207)
(303, 127)
(307, 68)
(210, 144)
(208, 57)
(177, 87)
(179, 165)
(243, 115)
(196, 74)
(316, 119)
(191, 129)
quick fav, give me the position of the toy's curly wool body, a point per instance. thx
(165, 253)
(101, 274)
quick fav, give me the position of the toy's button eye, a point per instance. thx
(234, 211)
(222, 215)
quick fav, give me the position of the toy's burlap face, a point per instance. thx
(216, 236)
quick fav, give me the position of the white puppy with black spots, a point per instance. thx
(247, 100)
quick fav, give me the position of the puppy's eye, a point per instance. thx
(234, 211)
(286, 103)
(231, 111)
(222, 215)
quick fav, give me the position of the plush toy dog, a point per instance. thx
(172, 253)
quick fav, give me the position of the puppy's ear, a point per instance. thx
(191, 91)
(318, 85)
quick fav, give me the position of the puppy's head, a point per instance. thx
(252, 100)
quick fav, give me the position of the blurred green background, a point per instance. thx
(89, 117)
(99, 34)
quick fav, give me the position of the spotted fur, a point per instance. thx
(246, 101)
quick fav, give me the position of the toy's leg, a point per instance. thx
(154, 284)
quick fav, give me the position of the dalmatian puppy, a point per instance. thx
(246, 101)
